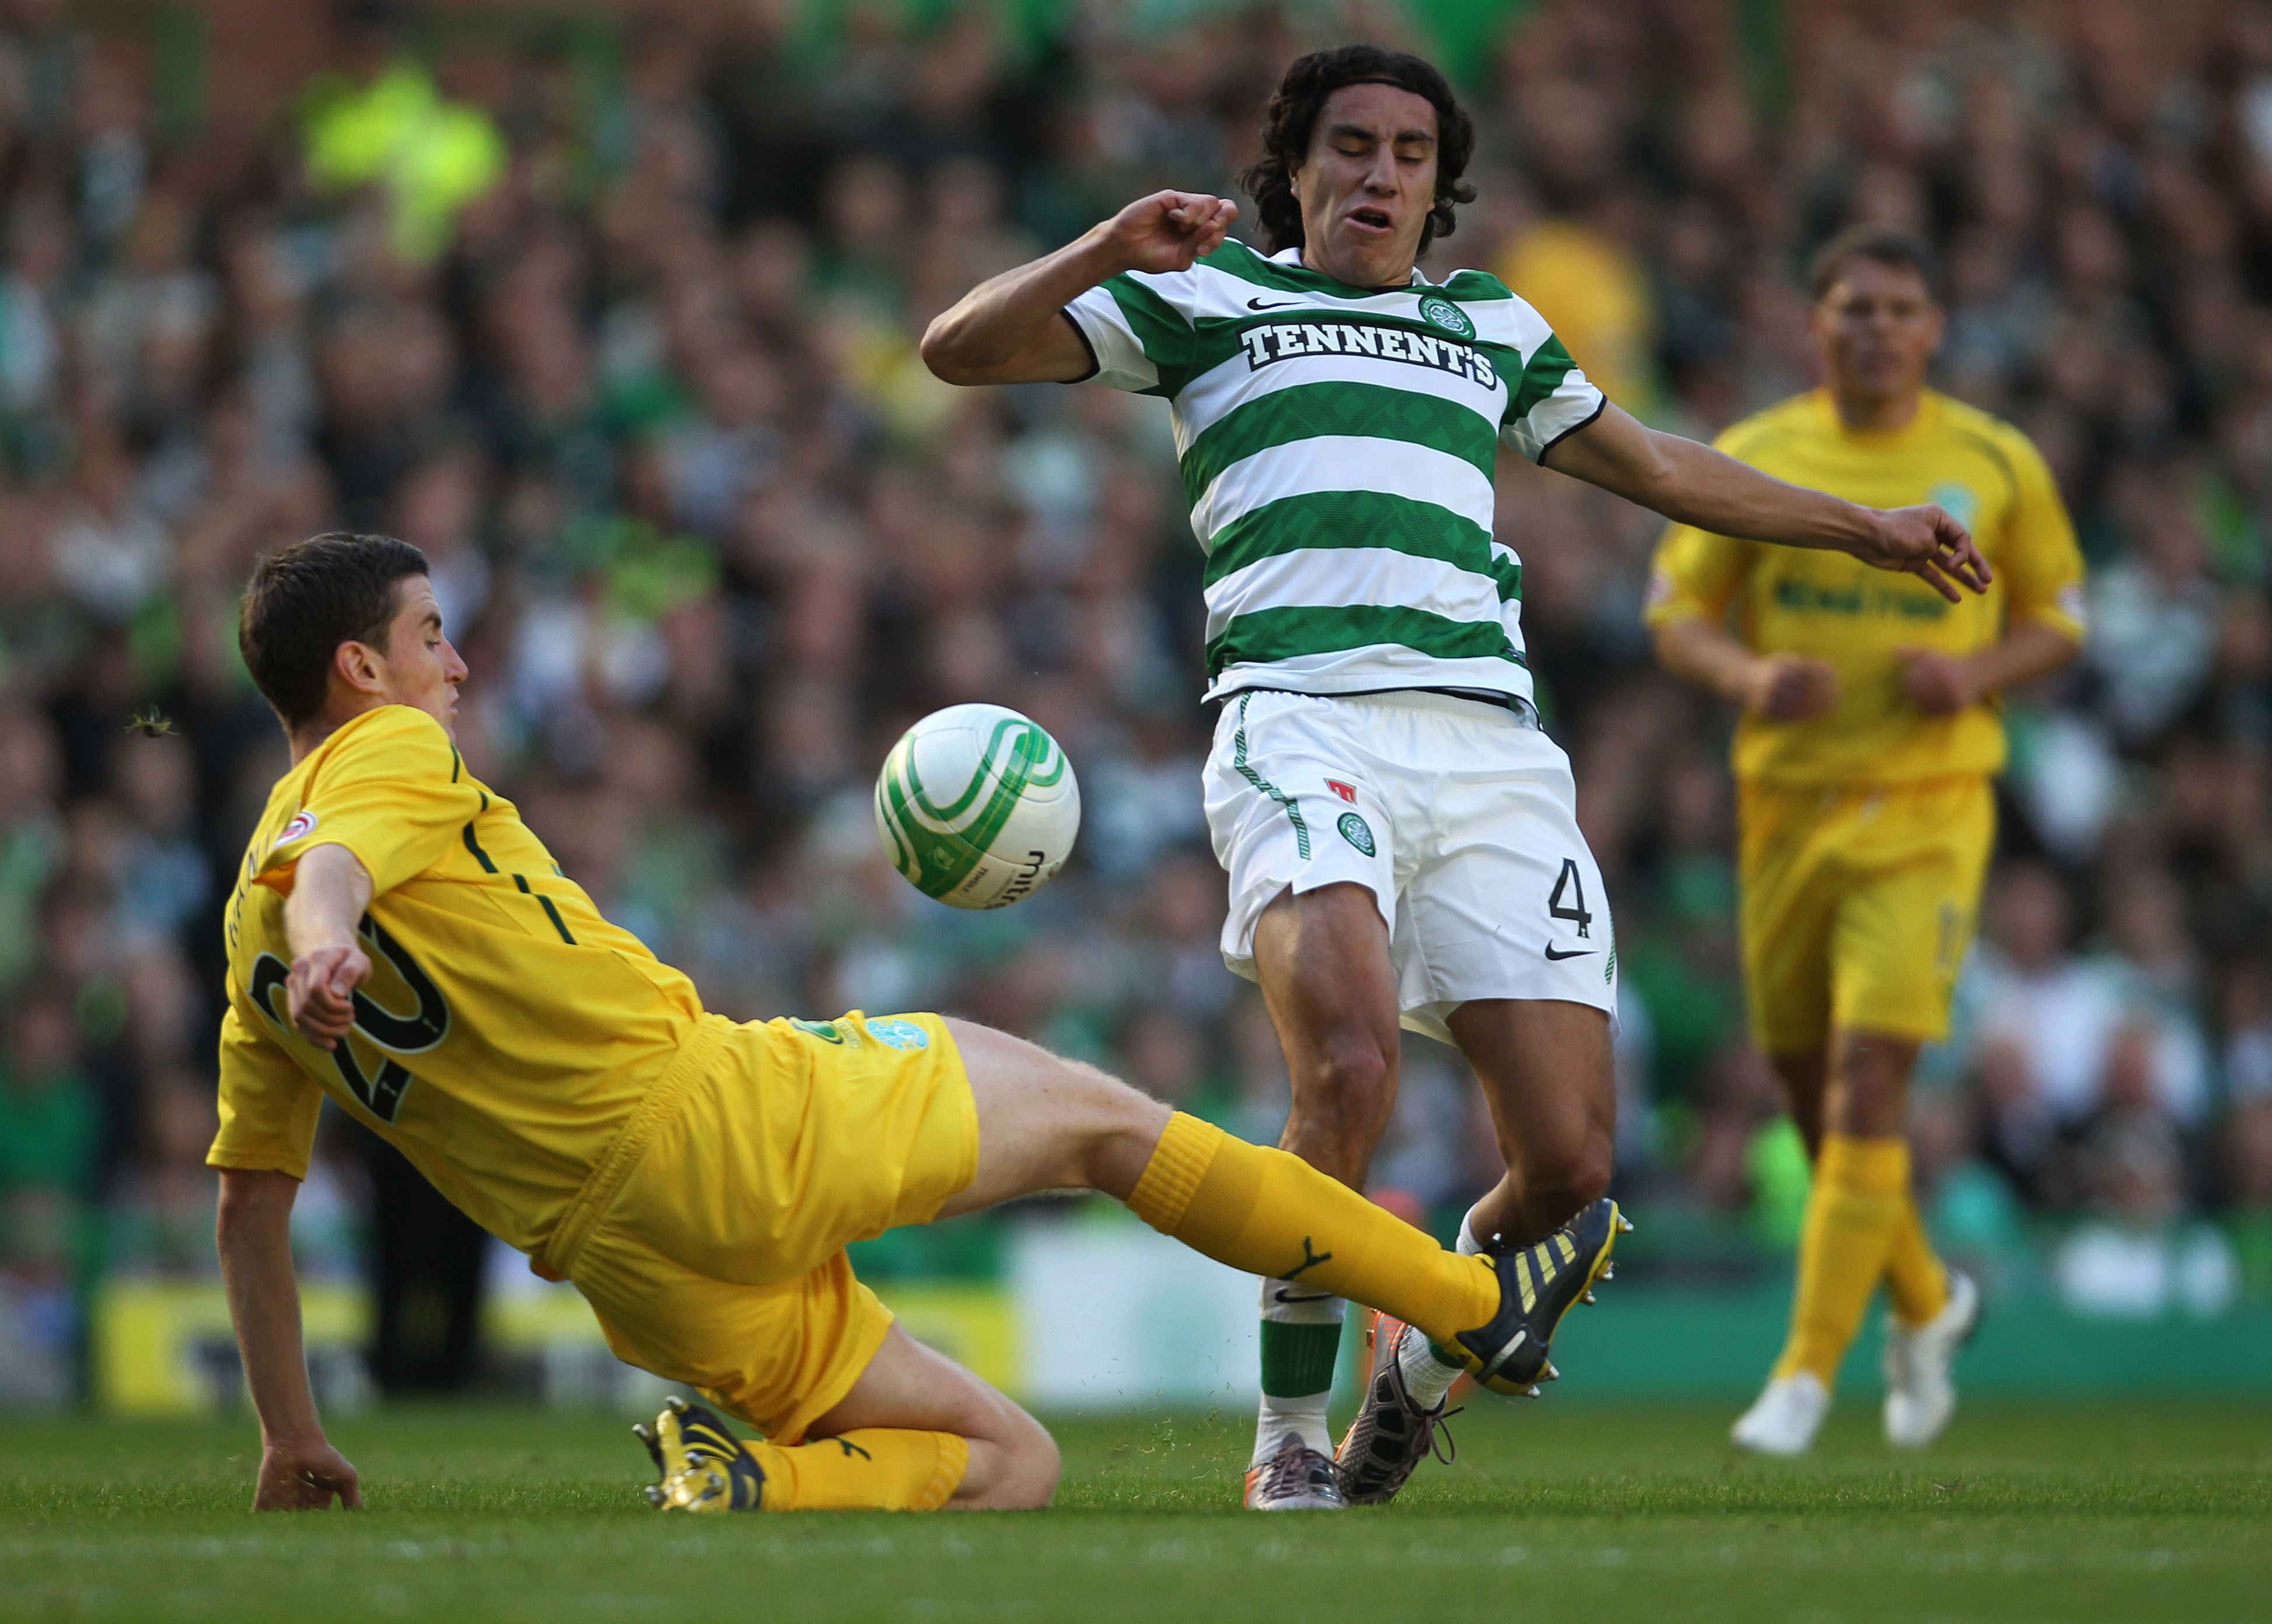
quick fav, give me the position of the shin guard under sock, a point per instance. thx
(869, 1468)
(1271, 1213)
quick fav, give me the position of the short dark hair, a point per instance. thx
(1888, 245)
(1291, 119)
(306, 600)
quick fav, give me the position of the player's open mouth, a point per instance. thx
(1371, 220)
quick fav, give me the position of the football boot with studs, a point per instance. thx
(703, 1467)
(1538, 1283)
(1293, 1478)
(1393, 1432)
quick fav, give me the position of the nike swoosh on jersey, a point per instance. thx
(1256, 304)
(1573, 953)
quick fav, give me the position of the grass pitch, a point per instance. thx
(1556, 1511)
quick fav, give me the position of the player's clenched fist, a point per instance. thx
(1168, 230)
(1935, 683)
(305, 1478)
(1788, 688)
(320, 992)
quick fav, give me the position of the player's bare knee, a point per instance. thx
(1035, 1464)
(1014, 1468)
(1118, 1127)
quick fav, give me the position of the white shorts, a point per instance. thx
(1459, 816)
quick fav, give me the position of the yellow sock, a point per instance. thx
(869, 1468)
(1271, 1213)
(1915, 1277)
(1860, 1187)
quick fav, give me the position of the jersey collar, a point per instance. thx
(1290, 259)
(1927, 414)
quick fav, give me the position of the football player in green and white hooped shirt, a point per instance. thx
(1399, 835)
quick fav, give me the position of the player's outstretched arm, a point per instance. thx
(299, 1468)
(1013, 328)
(1692, 484)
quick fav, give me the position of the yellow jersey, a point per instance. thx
(506, 1031)
(1830, 606)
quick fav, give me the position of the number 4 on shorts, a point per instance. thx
(1568, 885)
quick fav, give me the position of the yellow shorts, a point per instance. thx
(719, 1260)
(1858, 904)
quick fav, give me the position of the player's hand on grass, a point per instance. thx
(1935, 683)
(305, 1477)
(1925, 541)
(320, 992)
(1168, 230)
(1790, 688)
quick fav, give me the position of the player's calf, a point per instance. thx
(1549, 1073)
(1544, 1186)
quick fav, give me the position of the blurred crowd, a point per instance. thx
(629, 355)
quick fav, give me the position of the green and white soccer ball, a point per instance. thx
(978, 806)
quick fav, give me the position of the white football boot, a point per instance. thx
(1783, 1421)
(1919, 1395)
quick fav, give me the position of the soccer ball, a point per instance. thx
(978, 806)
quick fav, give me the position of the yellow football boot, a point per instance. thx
(704, 1466)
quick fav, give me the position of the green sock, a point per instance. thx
(1301, 1340)
(1299, 1359)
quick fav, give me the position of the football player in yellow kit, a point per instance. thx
(401, 942)
(1870, 731)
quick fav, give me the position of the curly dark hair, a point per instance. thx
(1291, 118)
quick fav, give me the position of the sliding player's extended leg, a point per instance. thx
(1046, 1124)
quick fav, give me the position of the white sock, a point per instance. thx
(1301, 1336)
(1426, 1376)
(1304, 1417)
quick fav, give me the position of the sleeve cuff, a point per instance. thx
(1601, 405)
(1081, 332)
(253, 1161)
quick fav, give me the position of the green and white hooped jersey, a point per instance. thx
(1336, 444)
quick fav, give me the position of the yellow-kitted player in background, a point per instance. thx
(1870, 731)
